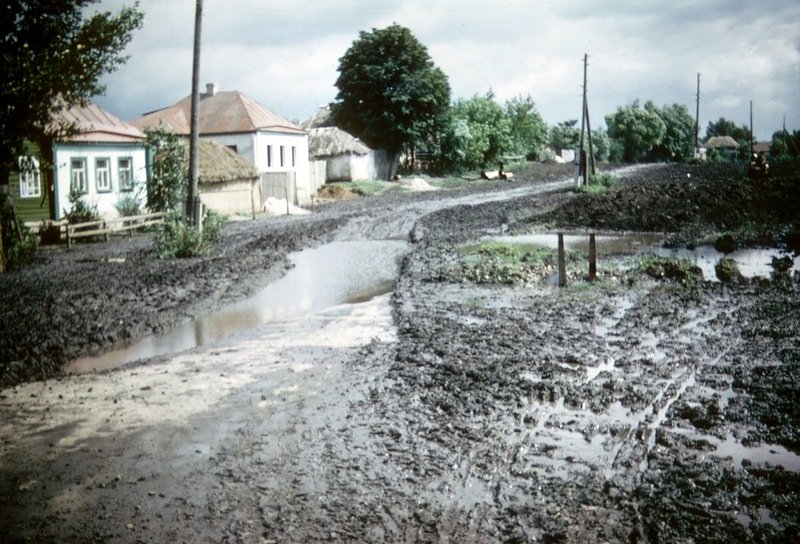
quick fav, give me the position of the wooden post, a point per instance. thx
(194, 132)
(562, 262)
(286, 192)
(581, 149)
(592, 258)
(697, 115)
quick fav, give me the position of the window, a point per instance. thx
(233, 148)
(282, 154)
(102, 175)
(30, 184)
(294, 155)
(125, 173)
(78, 175)
(269, 156)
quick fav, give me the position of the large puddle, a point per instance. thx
(752, 262)
(325, 276)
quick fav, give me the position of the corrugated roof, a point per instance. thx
(223, 112)
(94, 124)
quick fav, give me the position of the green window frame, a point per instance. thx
(102, 174)
(77, 175)
(125, 173)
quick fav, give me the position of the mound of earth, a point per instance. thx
(695, 199)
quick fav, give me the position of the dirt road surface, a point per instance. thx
(630, 410)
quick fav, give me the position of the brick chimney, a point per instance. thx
(211, 89)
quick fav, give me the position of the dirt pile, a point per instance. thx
(696, 200)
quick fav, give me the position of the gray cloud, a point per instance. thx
(285, 55)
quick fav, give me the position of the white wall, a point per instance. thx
(245, 144)
(105, 201)
(265, 140)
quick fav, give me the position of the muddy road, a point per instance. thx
(634, 409)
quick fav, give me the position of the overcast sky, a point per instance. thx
(285, 53)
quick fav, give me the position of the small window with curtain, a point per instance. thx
(77, 175)
(125, 173)
(269, 156)
(30, 182)
(102, 175)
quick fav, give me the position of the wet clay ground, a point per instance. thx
(629, 410)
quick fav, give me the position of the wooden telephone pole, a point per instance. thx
(583, 158)
(697, 115)
(193, 211)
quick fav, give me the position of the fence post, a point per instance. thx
(592, 258)
(562, 262)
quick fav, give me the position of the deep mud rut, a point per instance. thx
(635, 411)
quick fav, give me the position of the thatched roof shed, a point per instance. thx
(332, 142)
(722, 142)
(220, 164)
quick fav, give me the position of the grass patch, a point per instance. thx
(505, 263)
(360, 187)
(681, 271)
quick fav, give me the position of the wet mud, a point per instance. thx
(634, 409)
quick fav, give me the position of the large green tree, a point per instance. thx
(528, 130)
(52, 57)
(678, 141)
(391, 95)
(564, 135)
(478, 133)
(638, 129)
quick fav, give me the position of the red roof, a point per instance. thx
(94, 124)
(219, 113)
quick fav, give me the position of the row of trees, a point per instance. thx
(393, 97)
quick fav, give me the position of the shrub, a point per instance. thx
(80, 211)
(176, 238)
(128, 206)
(17, 250)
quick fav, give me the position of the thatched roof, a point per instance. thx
(220, 164)
(718, 142)
(332, 142)
(323, 118)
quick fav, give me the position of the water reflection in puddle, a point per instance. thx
(752, 262)
(325, 276)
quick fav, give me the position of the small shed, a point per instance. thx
(227, 182)
(724, 145)
(346, 158)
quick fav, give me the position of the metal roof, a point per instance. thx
(222, 112)
(94, 124)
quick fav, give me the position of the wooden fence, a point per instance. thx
(120, 225)
(281, 185)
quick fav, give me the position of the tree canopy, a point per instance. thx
(52, 58)
(638, 129)
(564, 135)
(478, 133)
(391, 95)
(528, 129)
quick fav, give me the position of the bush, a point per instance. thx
(604, 179)
(80, 211)
(128, 206)
(176, 238)
(18, 251)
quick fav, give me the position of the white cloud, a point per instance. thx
(285, 54)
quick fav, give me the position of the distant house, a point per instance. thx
(338, 156)
(105, 159)
(227, 182)
(725, 145)
(277, 147)
(346, 158)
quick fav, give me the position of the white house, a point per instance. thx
(273, 144)
(106, 160)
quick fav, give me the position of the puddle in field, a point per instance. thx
(322, 277)
(752, 262)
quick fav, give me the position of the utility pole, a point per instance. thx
(581, 151)
(751, 130)
(697, 115)
(193, 211)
